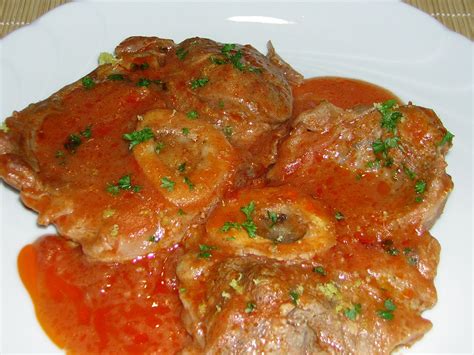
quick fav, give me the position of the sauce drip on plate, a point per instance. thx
(133, 307)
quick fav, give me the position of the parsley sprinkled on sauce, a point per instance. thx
(205, 251)
(73, 141)
(87, 132)
(234, 57)
(116, 77)
(227, 47)
(199, 83)
(448, 137)
(192, 115)
(389, 248)
(181, 212)
(124, 183)
(410, 173)
(387, 313)
(59, 154)
(189, 183)
(228, 131)
(229, 225)
(159, 147)
(390, 118)
(153, 239)
(221, 104)
(182, 167)
(88, 82)
(319, 270)
(106, 58)
(353, 312)
(250, 307)
(181, 53)
(295, 297)
(420, 188)
(143, 82)
(273, 217)
(249, 225)
(217, 60)
(185, 131)
(167, 184)
(339, 216)
(138, 137)
(234, 283)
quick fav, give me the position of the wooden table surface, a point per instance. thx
(457, 15)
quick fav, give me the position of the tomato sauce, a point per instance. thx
(133, 307)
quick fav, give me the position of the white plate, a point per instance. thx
(388, 43)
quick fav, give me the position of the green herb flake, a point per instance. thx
(181, 212)
(167, 184)
(420, 187)
(387, 315)
(339, 216)
(153, 239)
(353, 312)
(250, 307)
(221, 105)
(181, 53)
(138, 137)
(87, 82)
(73, 141)
(189, 183)
(227, 47)
(248, 210)
(448, 137)
(116, 77)
(389, 118)
(124, 183)
(182, 167)
(320, 270)
(185, 131)
(250, 228)
(389, 305)
(229, 225)
(410, 173)
(217, 60)
(192, 115)
(106, 58)
(199, 83)
(294, 297)
(87, 132)
(144, 82)
(205, 251)
(228, 131)
(273, 217)
(159, 147)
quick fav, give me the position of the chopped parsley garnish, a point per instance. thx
(181, 212)
(188, 182)
(229, 225)
(217, 60)
(181, 53)
(138, 137)
(234, 283)
(87, 132)
(227, 47)
(192, 115)
(124, 183)
(185, 131)
(250, 307)
(167, 184)
(228, 131)
(116, 77)
(387, 313)
(420, 186)
(379, 146)
(353, 312)
(233, 57)
(390, 118)
(295, 296)
(250, 227)
(88, 82)
(143, 82)
(221, 104)
(248, 210)
(182, 167)
(319, 270)
(273, 217)
(59, 154)
(159, 147)
(387, 245)
(153, 239)
(410, 173)
(339, 216)
(448, 137)
(205, 251)
(199, 83)
(73, 141)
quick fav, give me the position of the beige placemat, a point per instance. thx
(455, 14)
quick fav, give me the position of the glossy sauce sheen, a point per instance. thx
(133, 307)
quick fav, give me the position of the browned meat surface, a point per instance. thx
(123, 183)
(405, 163)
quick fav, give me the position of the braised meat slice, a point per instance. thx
(238, 90)
(352, 300)
(390, 157)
